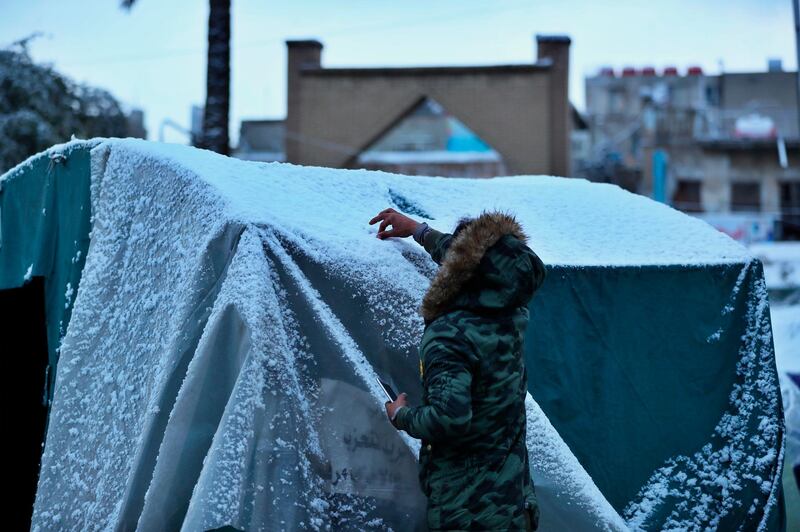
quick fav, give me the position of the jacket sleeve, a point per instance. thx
(448, 379)
(437, 244)
(539, 270)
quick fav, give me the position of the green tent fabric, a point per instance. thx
(660, 378)
(45, 214)
(636, 366)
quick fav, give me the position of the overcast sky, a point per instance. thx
(153, 56)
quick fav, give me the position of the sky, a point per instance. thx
(153, 56)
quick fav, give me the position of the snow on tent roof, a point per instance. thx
(231, 318)
(570, 221)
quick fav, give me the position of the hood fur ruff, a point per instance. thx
(463, 257)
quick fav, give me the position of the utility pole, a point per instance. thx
(218, 78)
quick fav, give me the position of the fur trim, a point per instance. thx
(463, 256)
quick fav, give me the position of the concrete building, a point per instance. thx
(725, 146)
(480, 121)
(135, 123)
(262, 140)
(430, 141)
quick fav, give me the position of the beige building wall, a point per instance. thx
(522, 111)
(722, 168)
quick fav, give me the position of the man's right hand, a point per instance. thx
(392, 407)
(402, 225)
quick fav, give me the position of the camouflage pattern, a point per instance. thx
(474, 459)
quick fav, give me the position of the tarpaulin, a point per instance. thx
(642, 368)
(219, 369)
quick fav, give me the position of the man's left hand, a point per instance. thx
(393, 406)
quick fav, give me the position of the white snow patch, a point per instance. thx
(781, 263)
(786, 335)
(54, 150)
(68, 296)
(570, 221)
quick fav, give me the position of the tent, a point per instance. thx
(215, 328)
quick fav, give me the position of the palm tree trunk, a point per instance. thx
(218, 78)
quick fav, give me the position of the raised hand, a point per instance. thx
(402, 225)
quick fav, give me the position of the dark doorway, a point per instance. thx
(24, 347)
(790, 211)
(745, 197)
(687, 196)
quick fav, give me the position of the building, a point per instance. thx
(426, 141)
(725, 147)
(262, 140)
(135, 124)
(479, 121)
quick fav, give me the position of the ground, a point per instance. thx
(782, 272)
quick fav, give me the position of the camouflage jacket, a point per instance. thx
(474, 459)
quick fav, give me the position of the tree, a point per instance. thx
(39, 107)
(218, 76)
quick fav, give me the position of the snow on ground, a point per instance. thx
(781, 263)
(786, 335)
(782, 274)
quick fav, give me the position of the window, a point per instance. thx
(687, 196)
(790, 197)
(790, 210)
(616, 101)
(746, 197)
(712, 96)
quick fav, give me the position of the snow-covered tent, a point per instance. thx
(215, 329)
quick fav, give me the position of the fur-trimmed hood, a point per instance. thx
(488, 267)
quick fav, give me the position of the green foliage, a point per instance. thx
(39, 107)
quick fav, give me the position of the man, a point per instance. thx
(473, 459)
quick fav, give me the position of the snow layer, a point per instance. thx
(570, 221)
(56, 150)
